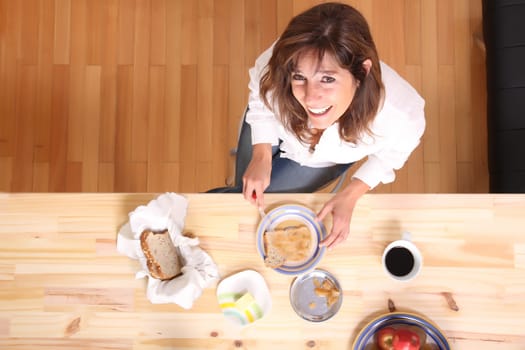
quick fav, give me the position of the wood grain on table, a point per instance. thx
(63, 285)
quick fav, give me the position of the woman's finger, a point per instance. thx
(338, 235)
(328, 240)
(341, 237)
(327, 208)
(248, 192)
(258, 198)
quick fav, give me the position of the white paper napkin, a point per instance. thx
(168, 211)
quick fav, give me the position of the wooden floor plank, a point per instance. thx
(44, 82)
(78, 103)
(90, 157)
(447, 129)
(40, 177)
(6, 175)
(188, 129)
(62, 31)
(106, 177)
(25, 114)
(8, 70)
(59, 129)
(173, 94)
(139, 122)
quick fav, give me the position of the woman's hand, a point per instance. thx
(256, 178)
(341, 206)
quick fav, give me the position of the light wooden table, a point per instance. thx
(63, 285)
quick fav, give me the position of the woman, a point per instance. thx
(321, 100)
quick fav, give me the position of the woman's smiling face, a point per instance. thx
(323, 88)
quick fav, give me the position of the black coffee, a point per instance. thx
(399, 261)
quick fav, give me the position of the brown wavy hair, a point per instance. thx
(329, 28)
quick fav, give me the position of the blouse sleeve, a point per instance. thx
(263, 122)
(380, 166)
(403, 124)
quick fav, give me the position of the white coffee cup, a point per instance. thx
(401, 259)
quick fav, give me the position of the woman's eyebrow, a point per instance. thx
(322, 71)
(327, 71)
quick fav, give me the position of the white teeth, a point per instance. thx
(318, 110)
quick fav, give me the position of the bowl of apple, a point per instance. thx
(401, 331)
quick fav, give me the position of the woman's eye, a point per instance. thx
(327, 79)
(298, 77)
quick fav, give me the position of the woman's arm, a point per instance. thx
(257, 176)
(264, 134)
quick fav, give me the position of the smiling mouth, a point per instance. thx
(319, 112)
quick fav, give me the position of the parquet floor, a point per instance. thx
(146, 95)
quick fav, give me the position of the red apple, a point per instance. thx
(385, 338)
(405, 339)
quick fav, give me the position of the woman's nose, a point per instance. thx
(312, 92)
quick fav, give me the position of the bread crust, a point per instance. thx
(289, 244)
(273, 259)
(154, 267)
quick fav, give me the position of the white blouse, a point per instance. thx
(396, 130)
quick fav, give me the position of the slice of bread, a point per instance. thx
(289, 244)
(161, 255)
(274, 259)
